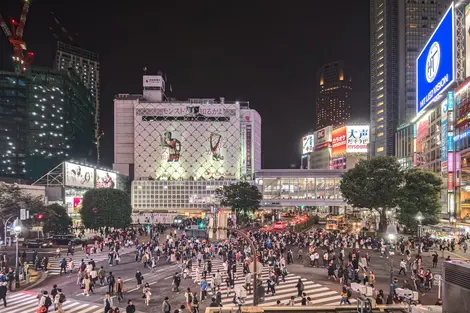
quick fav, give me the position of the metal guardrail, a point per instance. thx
(395, 308)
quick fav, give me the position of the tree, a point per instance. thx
(106, 208)
(13, 199)
(56, 219)
(242, 197)
(373, 184)
(419, 193)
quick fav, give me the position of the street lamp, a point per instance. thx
(419, 217)
(17, 230)
(391, 234)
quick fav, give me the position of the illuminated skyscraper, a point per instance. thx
(399, 30)
(333, 105)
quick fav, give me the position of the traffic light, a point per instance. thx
(40, 216)
(201, 225)
(147, 227)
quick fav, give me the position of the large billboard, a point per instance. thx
(322, 137)
(105, 179)
(77, 175)
(357, 138)
(307, 144)
(188, 141)
(153, 81)
(338, 143)
(435, 65)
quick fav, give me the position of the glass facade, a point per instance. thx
(46, 116)
(175, 195)
(296, 188)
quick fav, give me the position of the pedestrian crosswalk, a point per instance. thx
(54, 268)
(319, 294)
(26, 302)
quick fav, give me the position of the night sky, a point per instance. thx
(257, 51)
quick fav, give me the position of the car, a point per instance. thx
(64, 240)
(35, 243)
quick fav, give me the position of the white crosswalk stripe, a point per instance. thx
(319, 294)
(54, 269)
(23, 302)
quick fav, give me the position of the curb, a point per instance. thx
(37, 282)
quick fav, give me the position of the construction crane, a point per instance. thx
(15, 36)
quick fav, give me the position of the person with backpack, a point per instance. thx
(54, 293)
(166, 306)
(44, 303)
(59, 299)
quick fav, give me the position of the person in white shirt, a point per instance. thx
(402, 267)
(248, 282)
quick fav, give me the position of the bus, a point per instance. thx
(333, 222)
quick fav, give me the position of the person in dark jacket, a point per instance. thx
(130, 307)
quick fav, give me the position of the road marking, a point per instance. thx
(168, 277)
(137, 288)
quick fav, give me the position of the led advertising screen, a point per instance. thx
(435, 65)
(105, 179)
(338, 143)
(77, 175)
(189, 141)
(357, 138)
(307, 144)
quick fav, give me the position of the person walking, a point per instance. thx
(119, 288)
(54, 293)
(130, 307)
(59, 299)
(166, 306)
(300, 287)
(3, 289)
(147, 294)
(111, 281)
(176, 282)
(108, 303)
(139, 278)
(402, 267)
(195, 304)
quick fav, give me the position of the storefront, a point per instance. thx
(69, 181)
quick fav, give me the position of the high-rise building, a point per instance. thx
(398, 31)
(87, 66)
(333, 95)
(197, 139)
(46, 117)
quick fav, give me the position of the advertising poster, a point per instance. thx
(77, 204)
(248, 148)
(189, 141)
(307, 144)
(357, 138)
(153, 81)
(79, 175)
(422, 133)
(322, 137)
(338, 143)
(105, 179)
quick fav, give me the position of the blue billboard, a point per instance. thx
(435, 65)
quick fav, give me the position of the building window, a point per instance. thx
(380, 111)
(380, 134)
(380, 149)
(380, 119)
